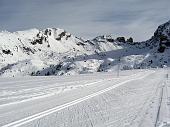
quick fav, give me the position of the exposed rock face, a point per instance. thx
(130, 40)
(121, 39)
(162, 34)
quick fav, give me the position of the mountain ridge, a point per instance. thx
(54, 51)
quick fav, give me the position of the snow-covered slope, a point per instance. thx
(54, 51)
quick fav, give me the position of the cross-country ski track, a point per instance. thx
(138, 98)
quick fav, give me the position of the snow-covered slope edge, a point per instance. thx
(54, 51)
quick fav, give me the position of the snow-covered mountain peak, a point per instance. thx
(163, 32)
(56, 33)
(110, 38)
(54, 51)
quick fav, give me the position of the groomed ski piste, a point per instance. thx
(135, 98)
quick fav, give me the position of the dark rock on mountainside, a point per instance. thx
(162, 35)
(121, 39)
(130, 40)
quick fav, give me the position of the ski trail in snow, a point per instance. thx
(66, 105)
(23, 81)
(163, 115)
(44, 96)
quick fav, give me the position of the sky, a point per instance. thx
(87, 18)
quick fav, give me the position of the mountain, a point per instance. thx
(54, 51)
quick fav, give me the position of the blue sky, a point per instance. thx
(87, 18)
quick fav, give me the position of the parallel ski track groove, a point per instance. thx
(66, 105)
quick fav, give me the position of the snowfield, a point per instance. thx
(137, 98)
(54, 51)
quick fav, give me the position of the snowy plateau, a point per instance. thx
(51, 78)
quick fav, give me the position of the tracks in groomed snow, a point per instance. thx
(66, 105)
(163, 115)
(45, 95)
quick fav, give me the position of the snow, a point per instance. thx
(54, 51)
(94, 100)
